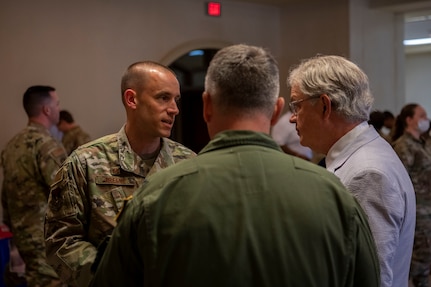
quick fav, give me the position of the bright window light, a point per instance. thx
(413, 42)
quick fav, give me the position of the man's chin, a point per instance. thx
(165, 134)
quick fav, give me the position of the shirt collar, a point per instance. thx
(336, 151)
(239, 137)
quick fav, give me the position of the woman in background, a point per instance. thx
(411, 147)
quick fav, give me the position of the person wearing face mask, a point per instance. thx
(388, 124)
(411, 147)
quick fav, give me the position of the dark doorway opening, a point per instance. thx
(190, 128)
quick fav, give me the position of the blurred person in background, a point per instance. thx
(73, 135)
(285, 135)
(388, 124)
(30, 160)
(410, 145)
(377, 120)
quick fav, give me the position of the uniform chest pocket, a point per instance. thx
(113, 191)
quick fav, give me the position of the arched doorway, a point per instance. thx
(190, 128)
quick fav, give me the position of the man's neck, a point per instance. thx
(257, 123)
(41, 121)
(141, 145)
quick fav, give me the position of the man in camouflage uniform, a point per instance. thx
(73, 134)
(96, 178)
(30, 161)
(415, 154)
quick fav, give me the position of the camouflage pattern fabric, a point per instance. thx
(74, 138)
(416, 157)
(30, 161)
(88, 193)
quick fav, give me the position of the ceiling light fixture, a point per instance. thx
(414, 42)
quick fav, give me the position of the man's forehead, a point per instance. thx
(295, 92)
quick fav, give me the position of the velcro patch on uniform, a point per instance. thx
(115, 170)
(115, 180)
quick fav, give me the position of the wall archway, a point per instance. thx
(190, 62)
(184, 48)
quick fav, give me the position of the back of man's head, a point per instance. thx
(242, 77)
(34, 98)
(343, 81)
(66, 116)
(376, 120)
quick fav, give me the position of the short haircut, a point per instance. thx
(377, 120)
(135, 75)
(388, 115)
(34, 98)
(66, 116)
(343, 81)
(243, 77)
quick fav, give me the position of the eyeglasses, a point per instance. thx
(294, 105)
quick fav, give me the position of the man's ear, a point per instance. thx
(207, 106)
(326, 106)
(46, 110)
(278, 108)
(130, 98)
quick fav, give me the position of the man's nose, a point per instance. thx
(173, 108)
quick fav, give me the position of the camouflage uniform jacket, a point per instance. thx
(30, 161)
(89, 191)
(416, 157)
(73, 138)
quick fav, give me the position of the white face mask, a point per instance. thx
(423, 125)
(385, 130)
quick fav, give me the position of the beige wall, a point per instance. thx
(307, 30)
(82, 48)
(418, 80)
(376, 44)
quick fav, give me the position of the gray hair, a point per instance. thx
(243, 77)
(343, 81)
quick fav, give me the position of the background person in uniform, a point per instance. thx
(415, 154)
(377, 120)
(331, 102)
(285, 135)
(95, 179)
(241, 213)
(73, 134)
(388, 124)
(30, 161)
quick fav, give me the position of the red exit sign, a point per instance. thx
(214, 9)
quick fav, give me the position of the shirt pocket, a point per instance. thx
(113, 191)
